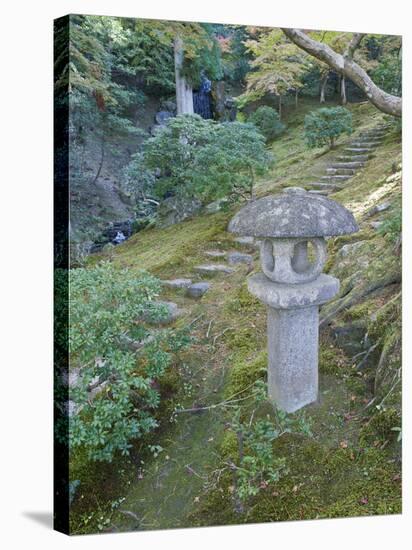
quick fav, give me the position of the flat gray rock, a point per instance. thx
(177, 283)
(215, 253)
(239, 258)
(212, 269)
(376, 225)
(378, 208)
(198, 289)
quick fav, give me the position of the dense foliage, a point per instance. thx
(268, 122)
(193, 157)
(324, 126)
(117, 360)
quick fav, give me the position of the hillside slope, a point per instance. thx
(351, 464)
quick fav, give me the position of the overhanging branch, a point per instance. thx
(344, 65)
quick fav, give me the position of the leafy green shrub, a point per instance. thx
(388, 74)
(118, 361)
(267, 120)
(193, 157)
(391, 228)
(325, 125)
(257, 464)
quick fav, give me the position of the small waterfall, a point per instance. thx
(202, 100)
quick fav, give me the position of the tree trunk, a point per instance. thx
(323, 83)
(296, 98)
(344, 65)
(343, 90)
(184, 91)
(280, 107)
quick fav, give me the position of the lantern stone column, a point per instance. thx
(292, 284)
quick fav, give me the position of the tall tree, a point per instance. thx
(277, 67)
(347, 67)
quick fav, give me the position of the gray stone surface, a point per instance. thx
(293, 214)
(292, 284)
(293, 357)
(378, 208)
(215, 253)
(177, 283)
(198, 289)
(239, 258)
(213, 269)
(292, 296)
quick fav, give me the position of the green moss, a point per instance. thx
(380, 427)
(332, 360)
(322, 483)
(244, 373)
(178, 246)
(243, 301)
(229, 446)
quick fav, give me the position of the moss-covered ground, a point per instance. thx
(350, 466)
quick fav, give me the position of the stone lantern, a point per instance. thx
(293, 226)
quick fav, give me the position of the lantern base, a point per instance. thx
(293, 335)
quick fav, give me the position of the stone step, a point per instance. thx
(346, 165)
(340, 171)
(215, 253)
(336, 178)
(213, 269)
(319, 191)
(365, 144)
(354, 158)
(246, 241)
(198, 289)
(239, 258)
(358, 149)
(379, 133)
(325, 185)
(177, 283)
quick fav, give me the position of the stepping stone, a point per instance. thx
(365, 143)
(239, 258)
(358, 149)
(347, 165)
(319, 191)
(332, 171)
(376, 225)
(249, 241)
(354, 158)
(212, 269)
(378, 208)
(324, 185)
(335, 178)
(177, 283)
(215, 253)
(198, 289)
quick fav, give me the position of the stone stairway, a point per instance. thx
(346, 165)
(199, 288)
